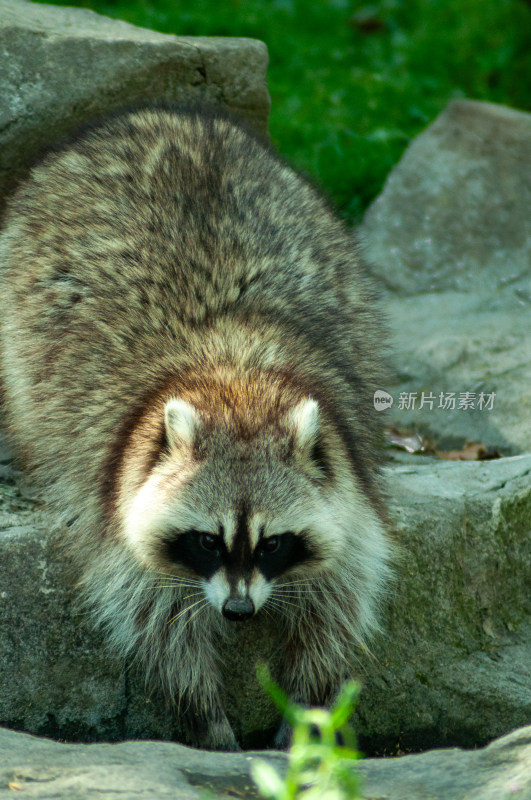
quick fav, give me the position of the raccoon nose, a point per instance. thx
(238, 608)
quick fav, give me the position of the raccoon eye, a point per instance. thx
(209, 542)
(270, 545)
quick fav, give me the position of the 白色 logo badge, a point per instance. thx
(382, 400)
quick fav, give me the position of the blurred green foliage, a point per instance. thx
(318, 768)
(353, 82)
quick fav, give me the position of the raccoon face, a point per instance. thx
(238, 579)
(239, 514)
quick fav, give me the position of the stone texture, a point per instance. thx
(454, 211)
(452, 669)
(499, 772)
(62, 66)
(44, 769)
(55, 677)
(450, 243)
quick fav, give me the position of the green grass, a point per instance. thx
(352, 83)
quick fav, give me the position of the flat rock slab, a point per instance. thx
(45, 769)
(450, 243)
(62, 66)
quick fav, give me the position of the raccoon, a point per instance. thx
(189, 350)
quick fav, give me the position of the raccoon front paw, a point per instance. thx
(220, 736)
(283, 736)
(209, 728)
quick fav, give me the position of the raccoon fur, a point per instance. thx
(189, 354)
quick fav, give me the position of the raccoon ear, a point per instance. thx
(303, 420)
(181, 421)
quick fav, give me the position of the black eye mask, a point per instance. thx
(205, 553)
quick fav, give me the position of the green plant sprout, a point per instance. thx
(318, 767)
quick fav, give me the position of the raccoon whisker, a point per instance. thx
(286, 603)
(190, 618)
(265, 610)
(269, 602)
(287, 587)
(303, 592)
(189, 596)
(184, 610)
(276, 607)
(180, 579)
(293, 592)
(176, 586)
(180, 583)
(283, 602)
(295, 586)
(191, 586)
(299, 582)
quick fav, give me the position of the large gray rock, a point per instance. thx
(132, 770)
(61, 66)
(450, 242)
(455, 664)
(453, 667)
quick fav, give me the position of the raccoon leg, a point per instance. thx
(209, 729)
(284, 735)
(302, 691)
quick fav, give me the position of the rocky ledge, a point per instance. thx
(132, 770)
